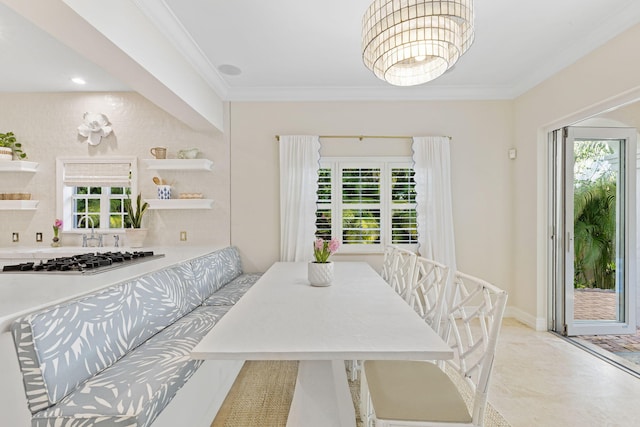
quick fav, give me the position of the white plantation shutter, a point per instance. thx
(367, 203)
(403, 207)
(361, 205)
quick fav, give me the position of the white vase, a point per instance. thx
(320, 273)
(135, 236)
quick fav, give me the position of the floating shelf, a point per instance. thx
(18, 205)
(180, 203)
(179, 164)
(17, 166)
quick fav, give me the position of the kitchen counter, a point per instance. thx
(22, 293)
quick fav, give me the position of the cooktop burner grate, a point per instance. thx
(87, 263)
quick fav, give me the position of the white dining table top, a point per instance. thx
(283, 317)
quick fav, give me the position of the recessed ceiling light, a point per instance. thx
(78, 80)
(229, 70)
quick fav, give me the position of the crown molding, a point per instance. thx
(391, 93)
(161, 15)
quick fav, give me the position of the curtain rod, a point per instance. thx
(361, 137)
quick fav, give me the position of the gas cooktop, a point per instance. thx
(86, 263)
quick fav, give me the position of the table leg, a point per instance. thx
(321, 397)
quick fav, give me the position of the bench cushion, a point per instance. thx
(215, 270)
(62, 346)
(231, 293)
(135, 390)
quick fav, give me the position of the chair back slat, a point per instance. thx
(387, 262)
(428, 290)
(472, 326)
(402, 273)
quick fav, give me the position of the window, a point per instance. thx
(103, 205)
(91, 192)
(368, 204)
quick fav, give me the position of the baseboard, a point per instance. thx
(537, 323)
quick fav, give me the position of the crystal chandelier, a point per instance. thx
(410, 42)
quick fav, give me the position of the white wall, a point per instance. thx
(481, 134)
(47, 125)
(609, 75)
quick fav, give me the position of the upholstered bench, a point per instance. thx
(119, 356)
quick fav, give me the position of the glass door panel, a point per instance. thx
(599, 230)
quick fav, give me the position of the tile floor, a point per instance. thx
(540, 379)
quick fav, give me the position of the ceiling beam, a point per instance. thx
(117, 36)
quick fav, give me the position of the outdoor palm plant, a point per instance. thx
(594, 235)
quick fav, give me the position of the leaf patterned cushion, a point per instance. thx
(234, 290)
(62, 346)
(135, 390)
(216, 269)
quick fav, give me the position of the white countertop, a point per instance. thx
(21, 293)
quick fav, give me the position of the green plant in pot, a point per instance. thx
(134, 232)
(8, 141)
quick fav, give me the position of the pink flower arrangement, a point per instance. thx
(57, 225)
(323, 249)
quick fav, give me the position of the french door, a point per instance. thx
(593, 232)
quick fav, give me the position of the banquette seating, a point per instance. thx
(117, 357)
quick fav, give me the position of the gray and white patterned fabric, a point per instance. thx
(117, 357)
(216, 269)
(60, 347)
(231, 293)
(135, 390)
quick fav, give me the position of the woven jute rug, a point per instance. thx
(262, 393)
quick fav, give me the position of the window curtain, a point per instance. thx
(299, 164)
(432, 167)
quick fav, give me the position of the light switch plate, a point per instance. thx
(183, 236)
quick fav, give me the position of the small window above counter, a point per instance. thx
(179, 164)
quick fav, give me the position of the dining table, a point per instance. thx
(358, 317)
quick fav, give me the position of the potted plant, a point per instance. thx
(135, 234)
(320, 271)
(10, 146)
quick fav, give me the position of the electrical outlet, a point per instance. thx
(183, 236)
(38, 237)
(15, 237)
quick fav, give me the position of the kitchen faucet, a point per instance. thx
(93, 237)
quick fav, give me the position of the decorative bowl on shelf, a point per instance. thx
(188, 153)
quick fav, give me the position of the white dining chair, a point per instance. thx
(421, 393)
(402, 272)
(428, 290)
(387, 262)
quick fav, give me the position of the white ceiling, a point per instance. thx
(33, 61)
(310, 50)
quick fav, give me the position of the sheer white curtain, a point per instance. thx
(432, 167)
(299, 163)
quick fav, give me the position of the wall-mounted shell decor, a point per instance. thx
(94, 127)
